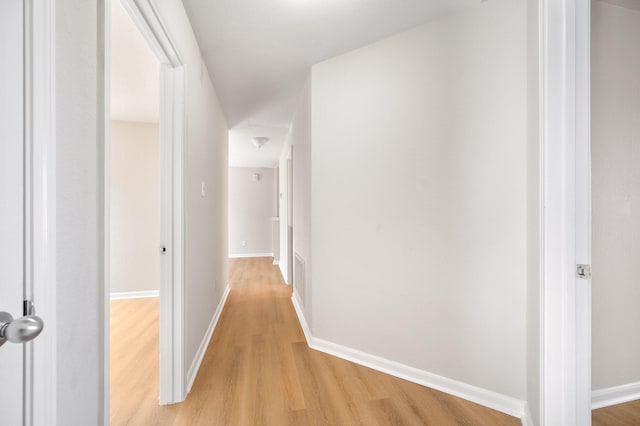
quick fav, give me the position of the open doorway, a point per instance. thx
(615, 155)
(169, 250)
(134, 211)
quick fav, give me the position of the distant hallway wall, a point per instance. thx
(252, 205)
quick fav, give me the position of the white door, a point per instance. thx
(15, 326)
(11, 202)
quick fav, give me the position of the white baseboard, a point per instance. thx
(135, 294)
(276, 262)
(283, 273)
(503, 403)
(195, 365)
(301, 319)
(615, 395)
(526, 418)
(246, 255)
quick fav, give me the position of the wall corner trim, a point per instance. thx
(527, 419)
(615, 395)
(197, 360)
(503, 403)
(302, 320)
(283, 272)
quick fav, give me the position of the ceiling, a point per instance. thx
(135, 71)
(258, 53)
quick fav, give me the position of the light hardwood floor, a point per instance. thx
(627, 414)
(258, 370)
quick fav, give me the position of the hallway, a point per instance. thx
(258, 370)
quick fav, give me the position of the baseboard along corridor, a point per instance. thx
(258, 370)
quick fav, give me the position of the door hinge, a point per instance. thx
(583, 271)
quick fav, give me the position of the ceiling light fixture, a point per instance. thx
(258, 141)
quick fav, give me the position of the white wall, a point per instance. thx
(533, 214)
(297, 147)
(252, 205)
(135, 207)
(79, 212)
(419, 197)
(206, 161)
(300, 138)
(616, 195)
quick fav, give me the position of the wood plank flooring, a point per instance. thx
(258, 370)
(627, 414)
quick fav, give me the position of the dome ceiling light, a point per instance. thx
(258, 141)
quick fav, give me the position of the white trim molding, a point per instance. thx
(503, 403)
(104, 179)
(172, 234)
(301, 319)
(283, 273)
(615, 395)
(147, 19)
(248, 255)
(123, 295)
(564, 300)
(41, 32)
(197, 360)
(527, 419)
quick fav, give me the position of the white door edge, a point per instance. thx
(104, 106)
(565, 352)
(582, 240)
(40, 31)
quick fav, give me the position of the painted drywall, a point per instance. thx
(419, 197)
(615, 77)
(135, 207)
(79, 255)
(300, 139)
(533, 214)
(252, 205)
(206, 161)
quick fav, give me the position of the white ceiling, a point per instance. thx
(242, 152)
(258, 53)
(135, 71)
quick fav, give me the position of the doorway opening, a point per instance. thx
(134, 212)
(168, 199)
(615, 193)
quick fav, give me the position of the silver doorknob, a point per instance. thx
(21, 330)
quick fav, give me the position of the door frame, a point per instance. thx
(565, 299)
(289, 222)
(40, 140)
(149, 22)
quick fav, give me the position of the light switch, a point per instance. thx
(203, 189)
